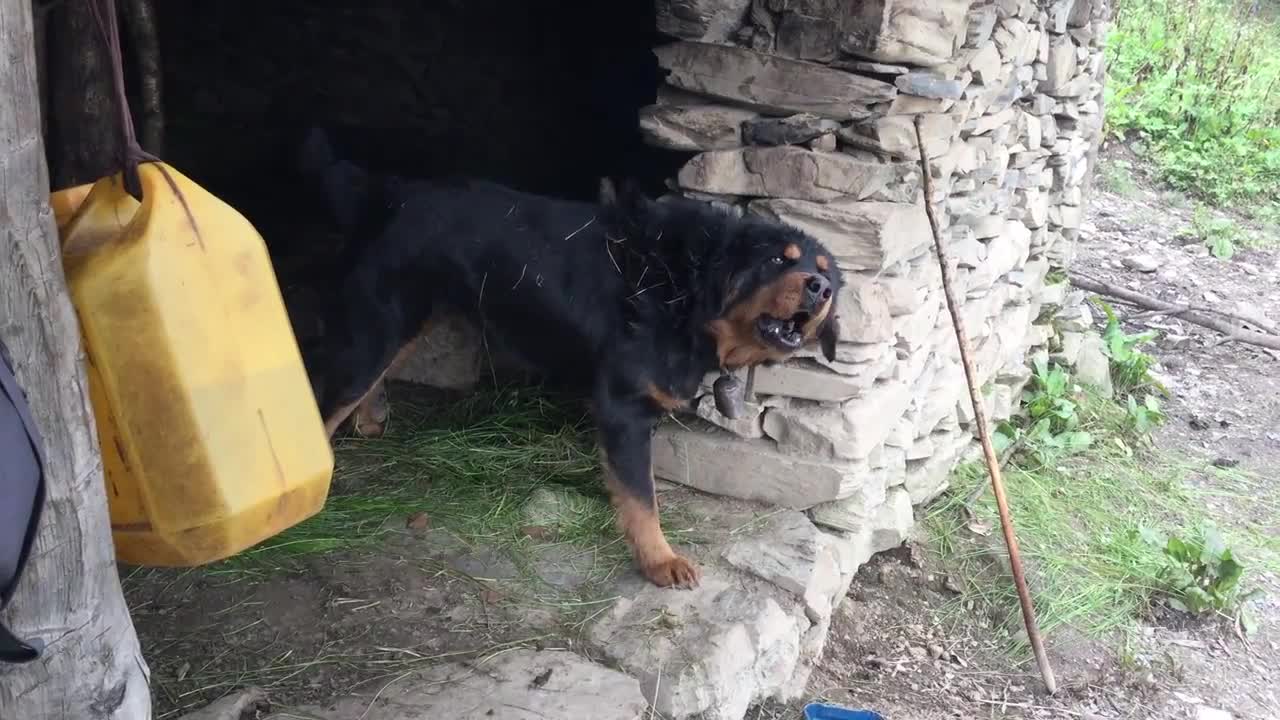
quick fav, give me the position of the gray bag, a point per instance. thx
(21, 498)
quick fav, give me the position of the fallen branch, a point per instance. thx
(1177, 309)
(1197, 316)
(984, 432)
(238, 706)
(1003, 705)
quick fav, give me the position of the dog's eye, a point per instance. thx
(778, 260)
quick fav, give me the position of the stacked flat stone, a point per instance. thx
(802, 111)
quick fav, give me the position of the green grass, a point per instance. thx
(1080, 523)
(1116, 176)
(1224, 235)
(469, 464)
(1199, 82)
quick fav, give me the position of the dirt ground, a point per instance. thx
(330, 624)
(898, 646)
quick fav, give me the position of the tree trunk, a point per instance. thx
(70, 597)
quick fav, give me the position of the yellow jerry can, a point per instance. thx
(211, 438)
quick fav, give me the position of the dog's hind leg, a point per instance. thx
(626, 445)
(368, 408)
(374, 410)
(373, 332)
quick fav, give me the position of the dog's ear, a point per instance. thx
(828, 336)
(342, 186)
(608, 192)
(624, 195)
(630, 209)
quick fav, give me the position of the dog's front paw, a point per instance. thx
(370, 418)
(368, 428)
(675, 571)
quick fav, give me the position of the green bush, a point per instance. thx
(1145, 416)
(1130, 366)
(1048, 426)
(1221, 235)
(1198, 81)
(1200, 572)
(1116, 176)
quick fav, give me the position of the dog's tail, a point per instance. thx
(342, 186)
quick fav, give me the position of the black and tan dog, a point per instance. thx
(630, 301)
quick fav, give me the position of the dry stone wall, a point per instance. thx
(802, 111)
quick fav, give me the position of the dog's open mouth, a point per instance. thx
(786, 334)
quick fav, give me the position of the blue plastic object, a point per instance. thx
(821, 711)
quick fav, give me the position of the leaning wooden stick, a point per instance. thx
(984, 433)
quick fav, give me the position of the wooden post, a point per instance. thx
(83, 139)
(70, 597)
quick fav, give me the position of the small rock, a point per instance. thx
(792, 130)
(1225, 462)
(540, 679)
(550, 508)
(250, 702)
(982, 21)
(936, 652)
(1142, 263)
(930, 85)
(693, 128)
(419, 521)
(1093, 367)
(537, 532)
(871, 68)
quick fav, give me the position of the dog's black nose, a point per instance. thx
(817, 290)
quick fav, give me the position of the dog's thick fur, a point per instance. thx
(630, 301)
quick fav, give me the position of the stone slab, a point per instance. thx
(693, 127)
(522, 684)
(716, 462)
(797, 173)
(862, 235)
(912, 32)
(771, 84)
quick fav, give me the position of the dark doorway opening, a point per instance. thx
(542, 96)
